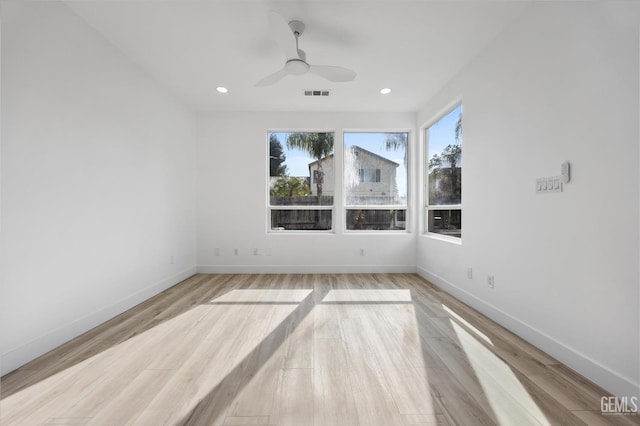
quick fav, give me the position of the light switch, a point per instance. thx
(548, 184)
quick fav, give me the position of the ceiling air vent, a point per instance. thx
(316, 93)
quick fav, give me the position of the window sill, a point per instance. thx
(377, 232)
(444, 238)
(301, 232)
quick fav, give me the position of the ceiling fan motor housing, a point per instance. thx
(296, 67)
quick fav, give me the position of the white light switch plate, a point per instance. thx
(549, 184)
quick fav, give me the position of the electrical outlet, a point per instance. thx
(256, 252)
(470, 273)
(490, 281)
(361, 252)
(235, 252)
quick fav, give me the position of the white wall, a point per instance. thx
(98, 184)
(561, 84)
(232, 200)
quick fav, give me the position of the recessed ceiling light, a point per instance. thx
(385, 91)
(222, 89)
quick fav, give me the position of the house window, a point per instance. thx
(444, 175)
(369, 175)
(375, 181)
(300, 184)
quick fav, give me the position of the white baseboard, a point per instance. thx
(306, 269)
(19, 356)
(589, 368)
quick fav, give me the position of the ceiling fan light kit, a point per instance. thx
(296, 59)
(296, 67)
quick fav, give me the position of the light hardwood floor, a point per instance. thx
(335, 350)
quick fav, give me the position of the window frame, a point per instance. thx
(406, 207)
(425, 170)
(270, 207)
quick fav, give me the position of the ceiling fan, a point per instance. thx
(286, 35)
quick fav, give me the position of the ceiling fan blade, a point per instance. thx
(273, 78)
(337, 74)
(283, 35)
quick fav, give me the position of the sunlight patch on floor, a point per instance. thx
(368, 295)
(467, 324)
(263, 296)
(508, 398)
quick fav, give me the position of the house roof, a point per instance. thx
(360, 149)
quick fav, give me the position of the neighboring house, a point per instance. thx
(369, 178)
(329, 173)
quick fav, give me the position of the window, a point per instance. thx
(444, 175)
(301, 180)
(369, 175)
(375, 181)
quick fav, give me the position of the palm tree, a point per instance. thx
(317, 145)
(458, 129)
(396, 141)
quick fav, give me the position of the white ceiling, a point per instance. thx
(190, 47)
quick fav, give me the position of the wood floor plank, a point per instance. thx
(454, 402)
(294, 404)
(247, 421)
(425, 420)
(571, 390)
(67, 421)
(299, 342)
(410, 392)
(44, 399)
(264, 367)
(212, 360)
(177, 398)
(300, 349)
(327, 324)
(334, 399)
(373, 399)
(132, 399)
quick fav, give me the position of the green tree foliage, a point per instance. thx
(276, 157)
(317, 145)
(286, 186)
(435, 162)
